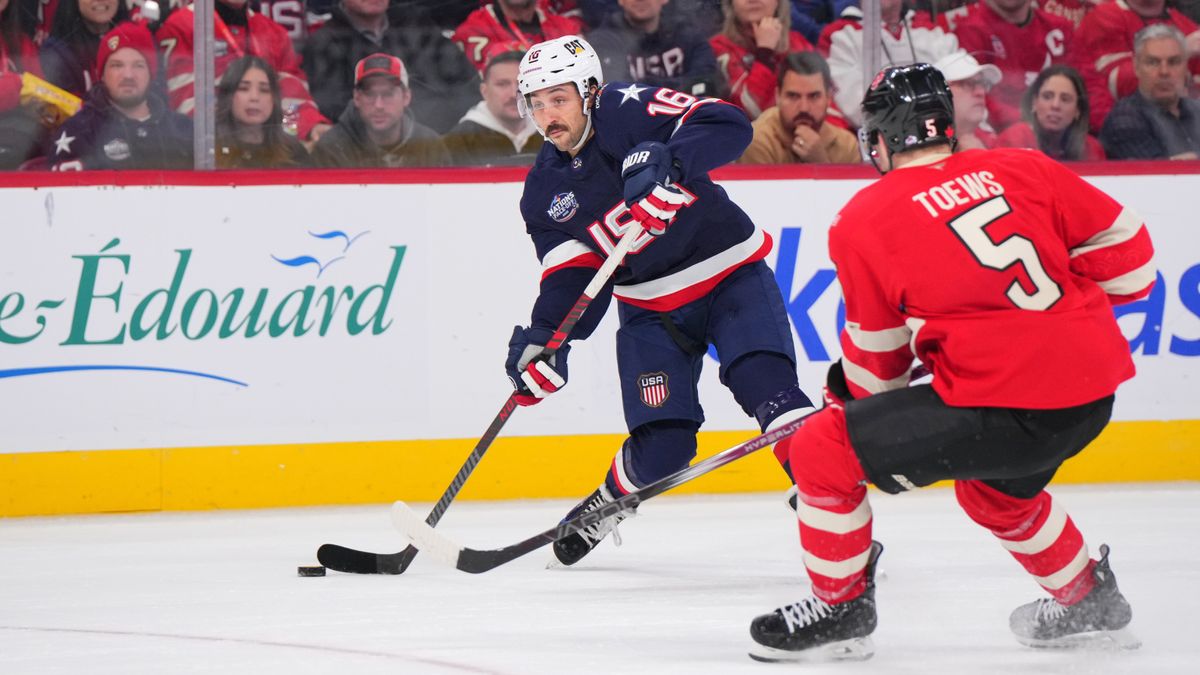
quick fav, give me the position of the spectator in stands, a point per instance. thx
(1055, 108)
(1158, 120)
(19, 129)
(444, 83)
(1020, 40)
(1100, 50)
(636, 45)
(379, 130)
(754, 39)
(493, 132)
(69, 53)
(505, 21)
(249, 120)
(795, 130)
(239, 31)
(124, 123)
(969, 83)
(809, 17)
(906, 37)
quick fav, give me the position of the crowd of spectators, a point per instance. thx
(90, 84)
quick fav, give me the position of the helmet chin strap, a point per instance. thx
(587, 131)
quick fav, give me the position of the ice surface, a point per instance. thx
(218, 592)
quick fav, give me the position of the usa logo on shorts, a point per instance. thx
(653, 388)
(563, 207)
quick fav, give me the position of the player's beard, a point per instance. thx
(807, 120)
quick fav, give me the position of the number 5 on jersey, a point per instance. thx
(970, 228)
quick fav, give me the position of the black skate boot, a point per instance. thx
(571, 548)
(1102, 616)
(813, 630)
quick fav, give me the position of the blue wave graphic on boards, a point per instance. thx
(45, 370)
(302, 260)
(334, 234)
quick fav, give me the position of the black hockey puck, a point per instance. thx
(310, 571)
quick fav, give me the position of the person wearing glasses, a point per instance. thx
(970, 82)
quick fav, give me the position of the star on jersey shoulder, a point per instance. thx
(63, 144)
(631, 92)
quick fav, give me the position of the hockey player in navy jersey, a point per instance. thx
(620, 153)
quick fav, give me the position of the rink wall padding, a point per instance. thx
(175, 341)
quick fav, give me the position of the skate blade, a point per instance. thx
(855, 649)
(1122, 638)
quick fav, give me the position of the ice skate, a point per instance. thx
(1101, 618)
(573, 547)
(813, 630)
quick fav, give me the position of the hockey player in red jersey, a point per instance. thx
(998, 270)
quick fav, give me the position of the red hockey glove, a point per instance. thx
(656, 211)
(649, 173)
(533, 376)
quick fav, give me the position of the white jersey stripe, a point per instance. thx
(568, 250)
(1068, 573)
(837, 569)
(697, 273)
(886, 340)
(837, 523)
(867, 380)
(1131, 282)
(1125, 227)
(1045, 537)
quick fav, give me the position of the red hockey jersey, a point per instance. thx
(751, 74)
(1102, 51)
(262, 37)
(1020, 52)
(488, 25)
(998, 269)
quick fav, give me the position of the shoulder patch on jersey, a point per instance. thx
(632, 92)
(563, 207)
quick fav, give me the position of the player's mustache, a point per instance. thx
(805, 118)
(555, 127)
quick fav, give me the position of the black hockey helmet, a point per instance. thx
(908, 107)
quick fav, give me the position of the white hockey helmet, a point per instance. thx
(548, 64)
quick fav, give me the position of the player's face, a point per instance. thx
(1011, 6)
(381, 101)
(126, 77)
(642, 10)
(97, 12)
(368, 8)
(500, 91)
(1161, 68)
(558, 112)
(1056, 105)
(802, 99)
(252, 102)
(970, 101)
(752, 11)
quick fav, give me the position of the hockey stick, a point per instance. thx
(343, 559)
(476, 561)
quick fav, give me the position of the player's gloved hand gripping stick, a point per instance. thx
(649, 174)
(342, 559)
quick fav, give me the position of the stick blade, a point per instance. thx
(422, 536)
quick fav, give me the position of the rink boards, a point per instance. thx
(172, 345)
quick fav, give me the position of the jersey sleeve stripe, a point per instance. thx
(837, 523)
(564, 252)
(698, 276)
(870, 382)
(692, 109)
(886, 340)
(1132, 283)
(1125, 227)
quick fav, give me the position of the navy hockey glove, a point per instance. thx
(532, 376)
(836, 392)
(650, 193)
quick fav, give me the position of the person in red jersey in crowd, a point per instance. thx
(20, 132)
(1102, 50)
(906, 36)
(753, 41)
(521, 22)
(1020, 40)
(970, 82)
(239, 31)
(998, 270)
(1055, 111)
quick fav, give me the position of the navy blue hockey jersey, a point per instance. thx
(575, 211)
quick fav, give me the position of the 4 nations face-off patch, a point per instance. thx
(653, 389)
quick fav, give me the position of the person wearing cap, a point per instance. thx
(444, 83)
(493, 132)
(378, 129)
(1018, 38)
(124, 122)
(1159, 120)
(970, 82)
(796, 130)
